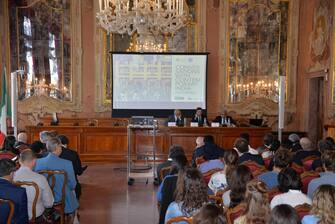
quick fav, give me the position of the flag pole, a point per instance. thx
(13, 88)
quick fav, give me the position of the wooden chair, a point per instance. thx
(255, 168)
(273, 192)
(234, 213)
(11, 209)
(164, 172)
(307, 177)
(267, 162)
(6, 155)
(37, 193)
(51, 177)
(297, 168)
(307, 162)
(188, 220)
(303, 210)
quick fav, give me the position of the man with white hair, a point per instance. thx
(295, 142)
(307, 150)
(22, 141)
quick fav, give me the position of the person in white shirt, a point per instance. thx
(27, 161)
(290, 184)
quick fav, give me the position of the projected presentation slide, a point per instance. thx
(159, 81)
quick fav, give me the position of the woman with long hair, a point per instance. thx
(210, 214)
(257, 204)
(218, 180)
(237, 183)
(191, 194)
(323, 206)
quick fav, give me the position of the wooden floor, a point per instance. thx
(106, 197)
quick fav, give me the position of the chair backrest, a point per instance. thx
(6, 155)
(51, 177)
(188, 220)
(234, 213)
(303, 210)
(273, 192)
(164, 172)
(307, 177)
(297, 168)
(308, 161)
(254, 167)
(11, 209)
(267, 162)
(37, 193)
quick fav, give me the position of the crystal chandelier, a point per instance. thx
(146, 18)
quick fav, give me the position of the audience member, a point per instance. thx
(295, 142)
(242, 147)
(307, 150)
(323, 146)
(199, 142)
(323, 206)
(191, 195)
(24, 173)
(327, 177)
(284, 214)
(281, 160)
(290, 185)
(6, 151)
(246, 137)
(237, 183)
(331, 140)
(13, 193)
(53, 162)
(269, 152)
(257, 201)
(267, 141)
(209, 214)
(166, 191)
(218, 181)
(209, 151)
(44, 137)
(9, 145)
(38, 149)
(174, 150)
(22, 142)
(72, 156)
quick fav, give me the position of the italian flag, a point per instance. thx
(5, 110)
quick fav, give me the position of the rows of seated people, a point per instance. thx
(39, 180)
(277, 183)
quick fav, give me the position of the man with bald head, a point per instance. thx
(308, 149)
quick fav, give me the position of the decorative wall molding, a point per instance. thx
(38, 106)
(262, 105)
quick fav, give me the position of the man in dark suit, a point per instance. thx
(200, 117)
(177, 117)
(72, 156)
(13, 193)
(307, 150)
(224, 119)
(242, 147)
